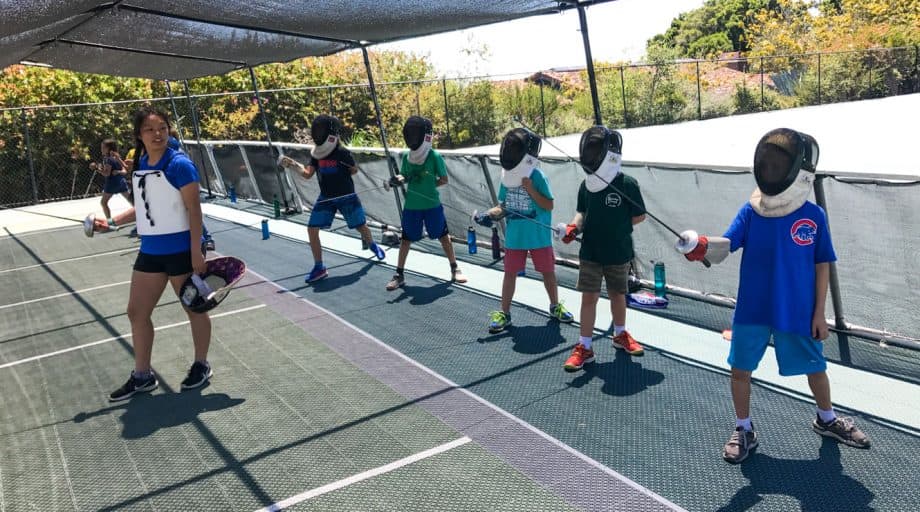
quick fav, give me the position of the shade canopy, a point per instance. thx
(180, 39)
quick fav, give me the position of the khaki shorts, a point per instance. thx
(591, 274)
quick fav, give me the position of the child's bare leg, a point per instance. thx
(821, 389)
(741, 393)
(552, 289)
(588, 313)
(105, 205)
(508, 285)
(448, 249)
(315, 247)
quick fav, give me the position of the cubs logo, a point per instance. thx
(804, 231)
(613, 200)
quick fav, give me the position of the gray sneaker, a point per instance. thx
(842, 429)
(397, 281)
(739, 445)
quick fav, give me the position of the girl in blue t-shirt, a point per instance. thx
(113, 168)
(169, 222)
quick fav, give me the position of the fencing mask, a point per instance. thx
(417, 133)
(518, 156)
(325, 131)
(600, 153)
(202, 293)
(784, 169)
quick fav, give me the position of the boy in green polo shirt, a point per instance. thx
(423, 171)
(606, 219)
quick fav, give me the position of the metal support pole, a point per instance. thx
(331, 102)
(592, 79)
(197, 131)
(450, 142)
(28, 141)
(917, 68)
(172, 101)
(763, 105)
(391, 163)
(418, 104)
(819, 79)
(542, 110)
(268, 137)
(488, 177)
(623, 94)
(699, 93)
(836, 299)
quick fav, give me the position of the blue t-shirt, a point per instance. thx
(333, 173)
(777, 285)
(113, 180)
(179, 171)
(521, 233)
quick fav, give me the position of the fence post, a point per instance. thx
(917, 68)
(819, 79)
(763, 105)
(623, 94)
(699, 93)
(450, 142)
(836, 298)
(542, 110)
(25, 127)
(391, 163)
(418, 104)
(331, 102)
(197, 131)
(268, 138)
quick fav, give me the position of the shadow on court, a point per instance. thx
(623, 376)
(818, 484)
(145, 414)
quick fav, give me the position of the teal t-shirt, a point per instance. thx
(522, 233)
(422, 181)
(607, 237)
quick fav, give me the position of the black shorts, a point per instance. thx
(170, 264)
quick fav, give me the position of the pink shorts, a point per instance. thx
(544, 260)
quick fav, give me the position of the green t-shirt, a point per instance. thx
(523, 233)
(422, 181)
(607, 229)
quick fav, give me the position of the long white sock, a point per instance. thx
(744, 423)
(827, 416)
(618, 329)
(586, 341)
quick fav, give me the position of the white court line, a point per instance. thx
(100, 342)
(345, 482)
(622, 478)
(76, 292)
(48, 263)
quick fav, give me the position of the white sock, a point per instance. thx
(744, 423)
(586, 341)
(826, 416)
(618, 329)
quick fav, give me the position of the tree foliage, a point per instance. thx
(718, 26)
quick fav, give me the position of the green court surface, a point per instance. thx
(343, 396)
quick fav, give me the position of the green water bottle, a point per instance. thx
(277, 206)
(660, 282)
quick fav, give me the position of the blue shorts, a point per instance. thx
(324, 212)
(115, 186)
(795, 354)
(433, 219)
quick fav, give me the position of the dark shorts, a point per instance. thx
(115, 186)
(170, 264)
(591, 275)
(433, 220)
(324, 212)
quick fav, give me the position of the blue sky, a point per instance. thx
(618, 31)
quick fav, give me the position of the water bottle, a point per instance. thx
(660, 282)
(471, 239)
(496, 245)
(277, 206)
(522, 273)
(265, 233)
(232, 191)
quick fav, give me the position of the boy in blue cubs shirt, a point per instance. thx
(333, 165)
(785, 269)
(526, 205)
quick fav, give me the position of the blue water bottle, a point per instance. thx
(471, 239)
(232, 191)
(265, 233)
(660, 282)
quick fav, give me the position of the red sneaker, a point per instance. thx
(626, 342)
(580, 356)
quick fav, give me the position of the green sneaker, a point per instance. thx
(559, 312)
(499, 322)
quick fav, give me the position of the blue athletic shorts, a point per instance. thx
(324, 212)
(796, 354)
(433, 219)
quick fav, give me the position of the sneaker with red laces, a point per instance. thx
(626, 342)
(580, 356)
